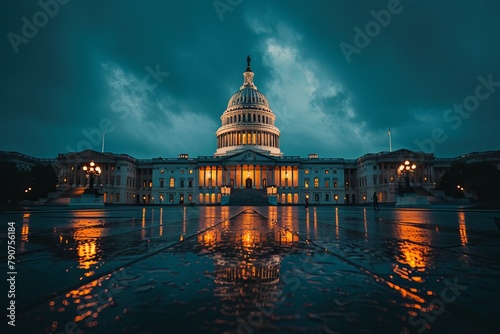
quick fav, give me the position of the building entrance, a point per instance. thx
(248, 183)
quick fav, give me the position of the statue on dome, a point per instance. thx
(248, 60)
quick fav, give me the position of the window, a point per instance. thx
(327, 183)
(170, 198)
(162, 183)
(190, 171)
(327, 171)
(182, 183)
(335, 185)
(172, 182)
(306, 171)
(306, 183)
(327, 197)
(190, 183)
(316, 182)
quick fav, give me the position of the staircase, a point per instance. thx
(65, 197)
(248, 197)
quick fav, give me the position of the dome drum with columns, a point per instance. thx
(248, 122)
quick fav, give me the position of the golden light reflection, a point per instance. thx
(143, 223)
(86, 235)
(208, 238)
(413, 252)
(462, 228)
(161, 222)
(89, 213)
(272, 214)
(26, 228)
(286, 237)
(315, 224)
(224, 212)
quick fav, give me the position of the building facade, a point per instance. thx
(249, 156)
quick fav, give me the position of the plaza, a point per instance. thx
(262, 269)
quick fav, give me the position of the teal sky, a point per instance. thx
(338, 74)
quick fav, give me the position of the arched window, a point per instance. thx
(172, 182)
(249, 118)
(258, 119)
(316, 182)
(254, 118)
(239, 118)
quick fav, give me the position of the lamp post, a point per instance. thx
(406, 168)
(91, 170)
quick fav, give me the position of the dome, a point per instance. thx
(247, 96)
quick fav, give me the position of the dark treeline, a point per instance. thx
(479, 178)
(16, 183)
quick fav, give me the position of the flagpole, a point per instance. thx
(390, 140)
(103, 136)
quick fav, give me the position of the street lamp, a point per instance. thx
(91, 170)
(405, 168)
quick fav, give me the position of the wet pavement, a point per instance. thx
(255, 270)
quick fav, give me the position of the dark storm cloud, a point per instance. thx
(89, 64)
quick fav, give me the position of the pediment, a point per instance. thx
(249, 156)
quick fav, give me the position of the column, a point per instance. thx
(241, 176)
(254, 181)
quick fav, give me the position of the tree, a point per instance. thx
(481, 178)
(16, 183)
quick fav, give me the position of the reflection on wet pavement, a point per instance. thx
(257, 269)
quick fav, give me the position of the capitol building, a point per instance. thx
(249, 167)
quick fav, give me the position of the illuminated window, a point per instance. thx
(190, 171)
(162, 171)
(306, 171)
(316, 182)
(172, 182)
(327, 171)
(306, 183)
